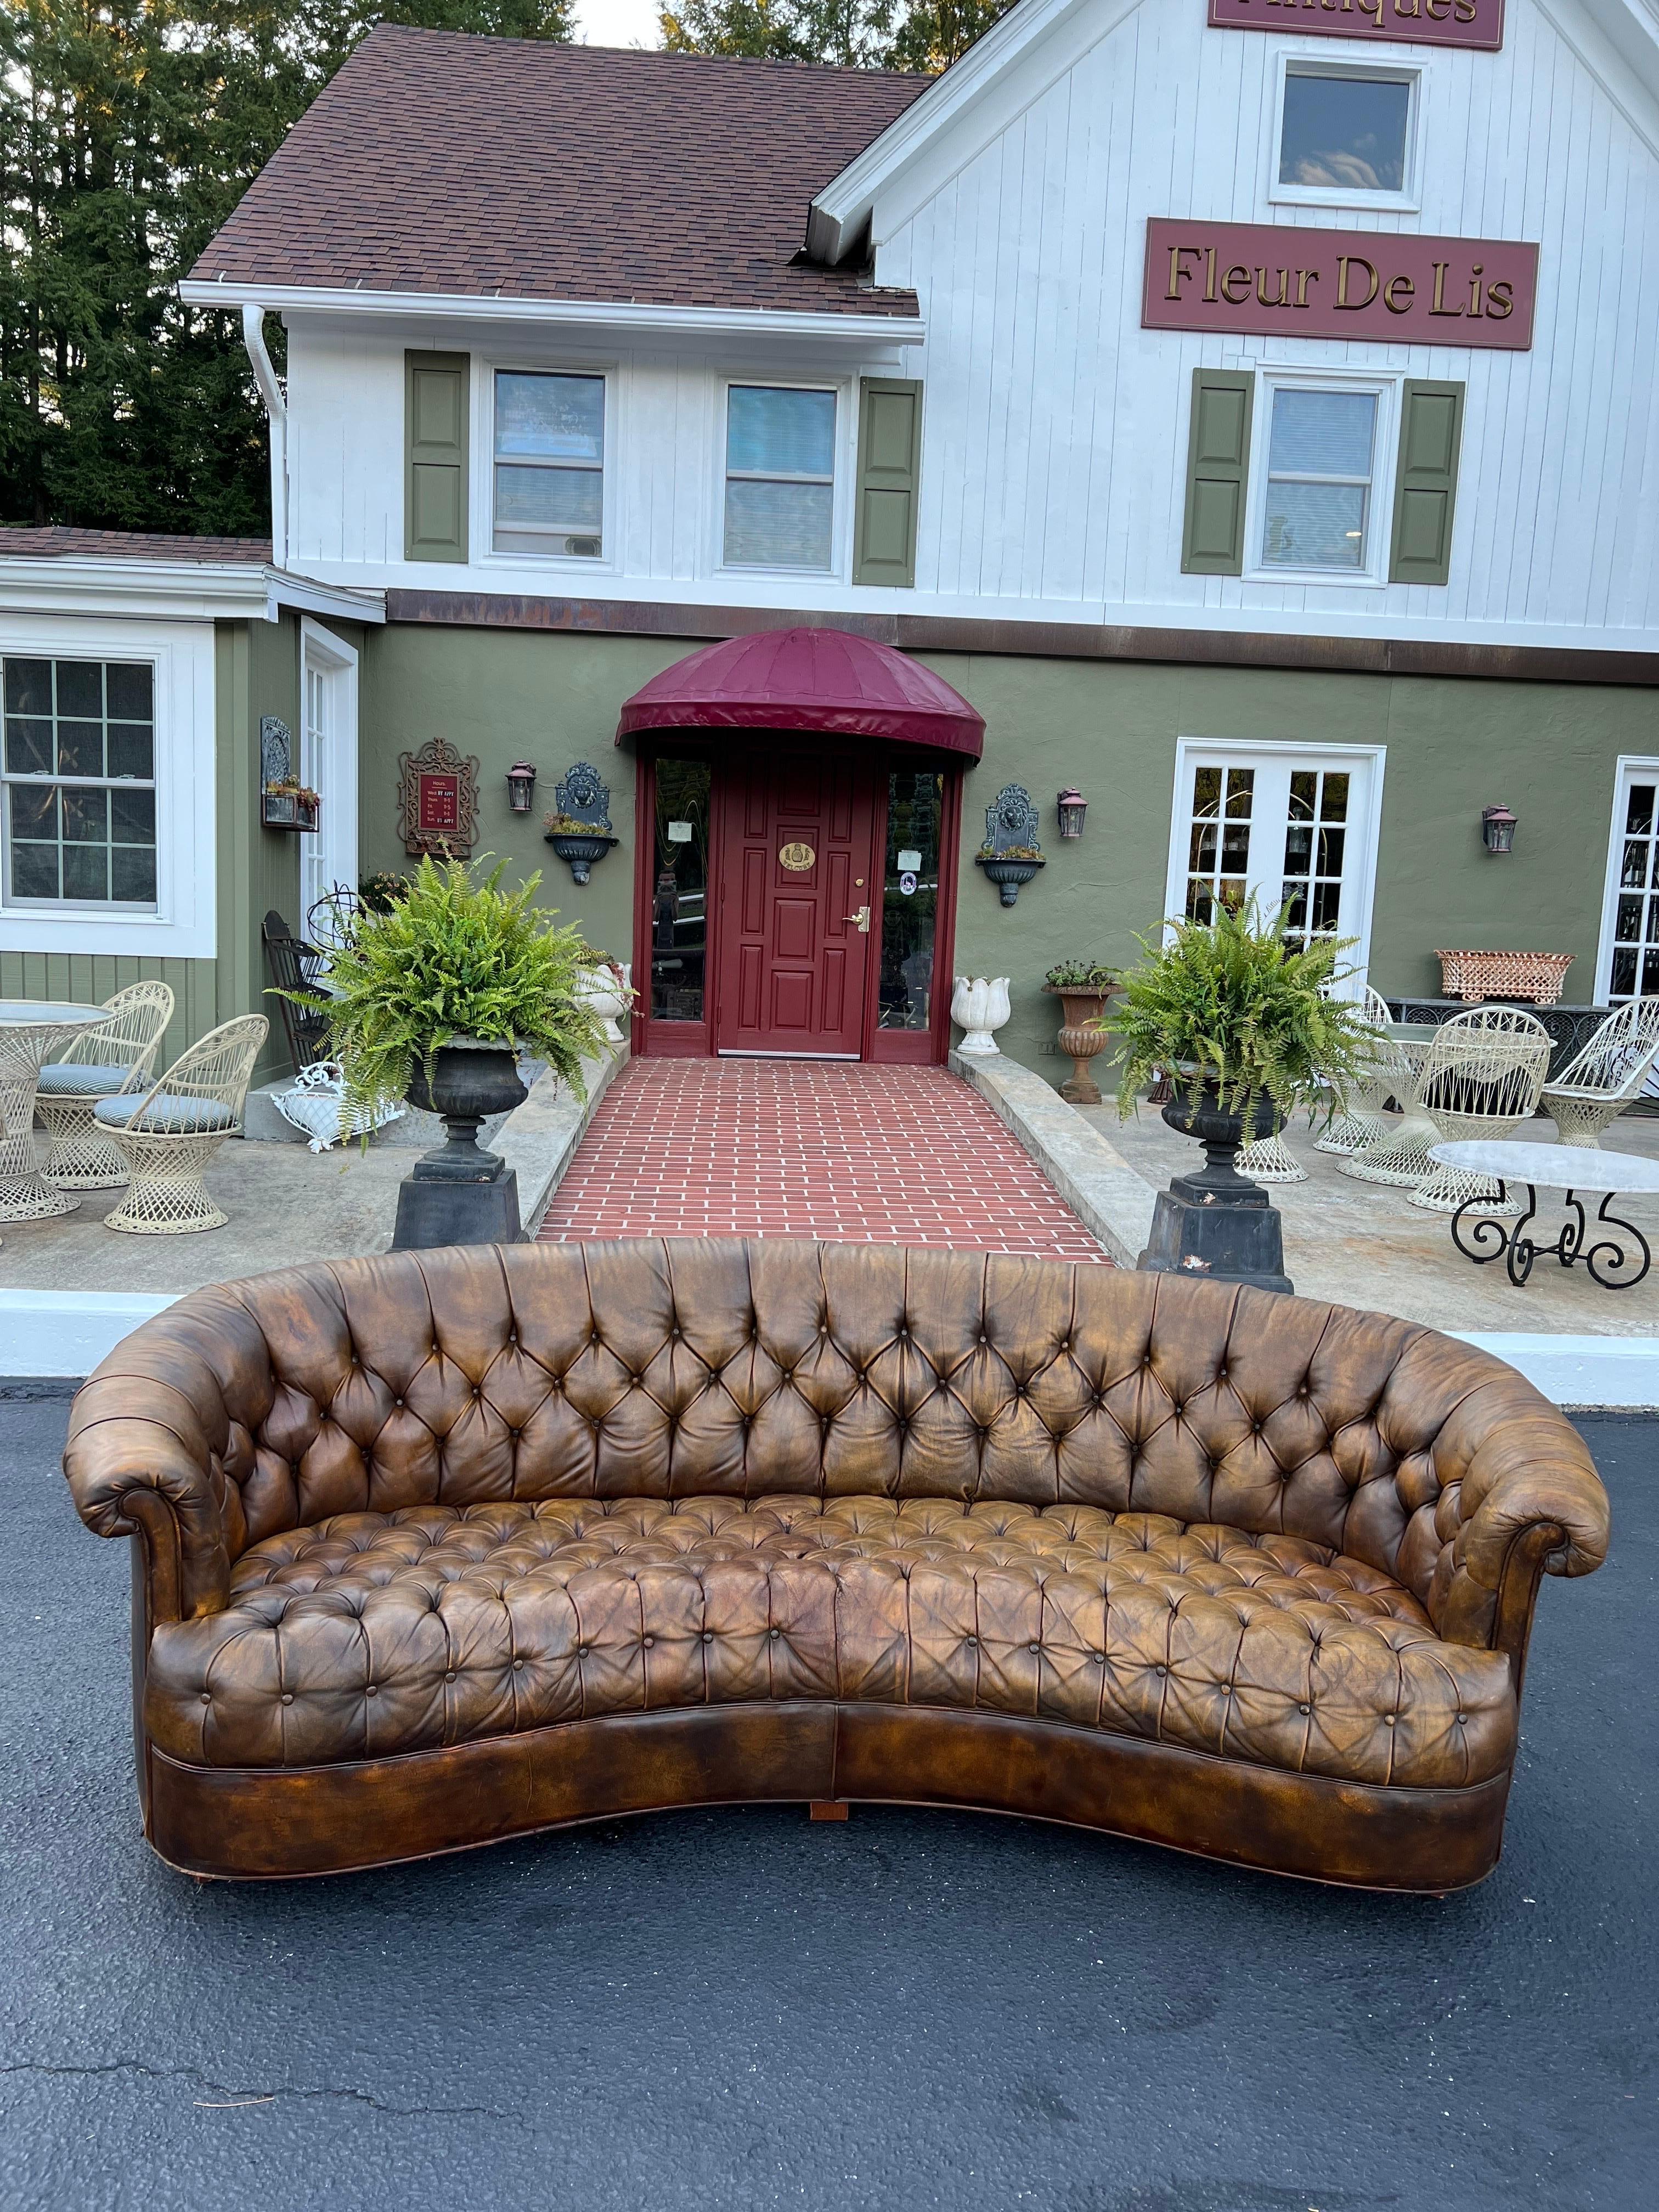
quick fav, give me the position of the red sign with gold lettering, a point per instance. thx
(440, 802)
(1476, 23)
(1275, 281)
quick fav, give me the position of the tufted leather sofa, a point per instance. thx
(444, 1547)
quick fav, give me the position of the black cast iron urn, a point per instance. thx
(1218, 1224)
(460, 1193)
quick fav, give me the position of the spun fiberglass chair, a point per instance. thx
(1481, 1078)
(168, 1134)
(1362, 1123)
(114, 1058)
(1599, 1082)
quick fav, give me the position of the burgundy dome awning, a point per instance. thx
(824, 680)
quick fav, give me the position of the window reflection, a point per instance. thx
(679, 917)
(909, 909)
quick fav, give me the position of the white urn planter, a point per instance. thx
(980, 1006)
(608, 997)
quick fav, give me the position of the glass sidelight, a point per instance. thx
(1635, 969)
(909, 905)
(679, 902)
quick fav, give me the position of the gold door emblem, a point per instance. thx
(797, 857)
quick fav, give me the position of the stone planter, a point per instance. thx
(460, 1193)
(601, 991)
(980, 1005)
(1218, 1222)
(1079, 1036)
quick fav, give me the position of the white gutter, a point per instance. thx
(175, 590)
(623, 318)
(270, 391)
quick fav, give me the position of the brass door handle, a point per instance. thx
(860, 921)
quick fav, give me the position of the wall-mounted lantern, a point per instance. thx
(521, 786)
(1070, 806)
(1498, 828)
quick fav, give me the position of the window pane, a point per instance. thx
(28, 687)
(80, 749)
(133, 874)
(28, 746)
(1314, 525)
(910, 899)
(1322, 434)
(131, 749)
(86, 872)
(679, 917)
(553, 418)
(565, 499)
(778, 526)
(132, 818)
(35, 811)
(1334, 799)
(1206, 791)
(130, 685)
(81, 688)
(780, 432)
(1344, 131)
(1240, 788)
(1638, 818)
(86, 816)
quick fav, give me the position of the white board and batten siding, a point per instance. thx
(1055, 447)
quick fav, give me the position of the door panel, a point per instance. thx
(793, 961)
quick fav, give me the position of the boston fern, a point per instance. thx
(451, 957)
(1235, 1004)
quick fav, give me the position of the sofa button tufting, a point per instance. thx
(1304, 1708)
(449, 1674)
(649, 1642)
(371, 1689)
(708, 1635)
(581, 1653)
(1388, 1719)
(288, 1697)
(972, 1642)
(207, 1697)
(1160, 1669)
(777, 1632)
(1462, 1720)
(1033, 1649)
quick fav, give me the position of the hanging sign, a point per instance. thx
(1475, 23)
(1276, 281)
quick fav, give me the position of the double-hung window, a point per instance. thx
(79, 777)
(1322, 464)
(780, 478)
(549, 464)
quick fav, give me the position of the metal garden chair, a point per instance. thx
(115, 1058)
(169, 1133)
(1481, 1077)
(1599, 1082)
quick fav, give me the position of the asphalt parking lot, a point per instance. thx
(710, 2012)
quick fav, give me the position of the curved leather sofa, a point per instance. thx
(444, 1547)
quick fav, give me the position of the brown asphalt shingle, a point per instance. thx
(60, 541)
(438, 162)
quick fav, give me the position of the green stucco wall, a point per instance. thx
(1454, 745)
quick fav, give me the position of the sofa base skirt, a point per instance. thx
(269, 1823)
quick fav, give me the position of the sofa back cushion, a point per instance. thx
(697, 1366)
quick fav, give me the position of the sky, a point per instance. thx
(617, 22)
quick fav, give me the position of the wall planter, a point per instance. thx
(1009, 871)
(578, 828)
(1012, 853)
(289, 806)
(1080, 1038)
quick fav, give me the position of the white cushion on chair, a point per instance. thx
(65, 1079)
(165, 1117)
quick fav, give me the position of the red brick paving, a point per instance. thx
(790, 1148)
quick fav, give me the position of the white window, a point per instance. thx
(1346, 135)
(549, 465)
(79, 784)
(328, 762)
(780, 478)
(1288, 827)
(1629, 965)
(1318, 509)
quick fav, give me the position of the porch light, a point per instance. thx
(520, 786)
(1498, 828)
(1070, 806)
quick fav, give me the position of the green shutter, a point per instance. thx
(1217, 471)
(1426, 482)
(889, 464)
(434, 456)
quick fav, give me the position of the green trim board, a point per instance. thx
(889, 481)
(436, 388)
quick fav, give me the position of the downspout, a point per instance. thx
(270, 391)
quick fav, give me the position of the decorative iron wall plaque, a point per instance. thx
(1476, 23)
(276, 750)
(438, 801)
(579, 794)
(1010, 820)
(1279, 281)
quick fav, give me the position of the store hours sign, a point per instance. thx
(1476, 23)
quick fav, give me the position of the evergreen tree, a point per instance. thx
(129, 130)
(927, 35)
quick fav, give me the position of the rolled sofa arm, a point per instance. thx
(1528, 1502)
(139, 1464)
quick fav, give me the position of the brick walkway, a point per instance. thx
(789, 1148)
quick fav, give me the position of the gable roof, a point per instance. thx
(62, 542)
(437, 162)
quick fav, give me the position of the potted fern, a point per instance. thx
(1243, 1015)
(434, 999)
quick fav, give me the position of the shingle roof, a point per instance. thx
(60, 542)
(438, 162)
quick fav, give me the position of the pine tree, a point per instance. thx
(927, 35)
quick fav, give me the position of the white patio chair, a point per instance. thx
(110, 1061)
(1362, 1122)
(168, 1134)
(1599, 1082)
(1481, 1077)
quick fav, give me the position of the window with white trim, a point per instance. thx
(1318, 509)
(780, 478)
(78, 771)
(549, 465)
(1346, 134)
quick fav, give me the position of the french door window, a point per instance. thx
(549, 464)
(79, 776)
(780, 478)
(1634, 957)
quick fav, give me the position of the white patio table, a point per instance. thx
(1569, 1167)
(31, 1030)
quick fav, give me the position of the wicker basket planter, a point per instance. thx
(1540, 976)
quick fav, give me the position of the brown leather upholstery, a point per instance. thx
(397, 1511)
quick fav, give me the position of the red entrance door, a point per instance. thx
(798, 908)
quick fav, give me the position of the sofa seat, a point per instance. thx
(368, 1635)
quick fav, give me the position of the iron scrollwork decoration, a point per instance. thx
(438, 801)
(276, 750)
(1012, 851)
(579, 828)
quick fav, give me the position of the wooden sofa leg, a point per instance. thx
(828, 1809)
